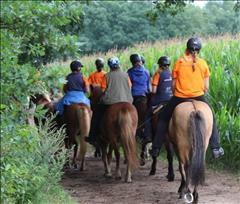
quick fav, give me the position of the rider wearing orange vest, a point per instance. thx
(190, 77)
(95, 78)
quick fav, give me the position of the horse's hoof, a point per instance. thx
(129, 180)
(152, 172)
(142, 162)
(118, 177)
(108, 175)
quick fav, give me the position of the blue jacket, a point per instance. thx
(140, 79)
(71, 97)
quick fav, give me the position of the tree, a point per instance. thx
(47, 29)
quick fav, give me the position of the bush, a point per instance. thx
(31, 160)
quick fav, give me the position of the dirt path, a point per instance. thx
(90, 187)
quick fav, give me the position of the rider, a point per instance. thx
(117, 88)
(75, 88)
(95, 78)
(190, 81)
(161, 92)
(141, 82)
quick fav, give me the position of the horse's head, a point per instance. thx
(96, 93)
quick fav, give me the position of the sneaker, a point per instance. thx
(218, 152)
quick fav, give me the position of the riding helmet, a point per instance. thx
(99, 63)
(134, 58)
(194, 44)
(113, 63)
(164, 61)
(76, 65)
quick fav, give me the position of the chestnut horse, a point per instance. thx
(119, 127)
(189, 131)
(77, 119)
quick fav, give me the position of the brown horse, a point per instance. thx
(119, 128)
(189, 131)
(77, 119)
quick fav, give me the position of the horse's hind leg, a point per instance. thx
(183, 180)
(142, 155)
(128, 177)
(153, 167)
(105, 161)
(118, 171)
(195, 195)
(82, 150)
(170, 175)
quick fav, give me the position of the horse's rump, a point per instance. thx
(77, 118)
(120, 124)
(180, 122)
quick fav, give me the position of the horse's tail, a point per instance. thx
(197, 130)
(84, 119)
(127, 135)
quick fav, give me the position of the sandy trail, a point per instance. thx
(91, 187)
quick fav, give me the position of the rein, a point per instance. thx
(156, 109)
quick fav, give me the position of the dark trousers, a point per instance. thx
(165, 116)
(97, 117)
(148, 129)
(141, 104)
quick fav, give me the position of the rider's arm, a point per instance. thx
(206, 84)
(173, 85)
(86, 85)
(155, 82)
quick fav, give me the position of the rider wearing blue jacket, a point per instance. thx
(141, 86)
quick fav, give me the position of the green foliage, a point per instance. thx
(31, 159)
(31, 32)
(112, 24)
(47, 29)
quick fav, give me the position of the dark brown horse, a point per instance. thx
(119, 129)
(77, 119)
(189, 131)
(141, 105)
(168, 146)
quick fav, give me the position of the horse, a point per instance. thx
(119, 128)
(77, 119)
(141, 105)
(168, 146)
(190, 129)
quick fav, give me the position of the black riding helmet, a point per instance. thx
(76, 65)
(194, 44)
(164, 62)
(134, 58)
(99, 63)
